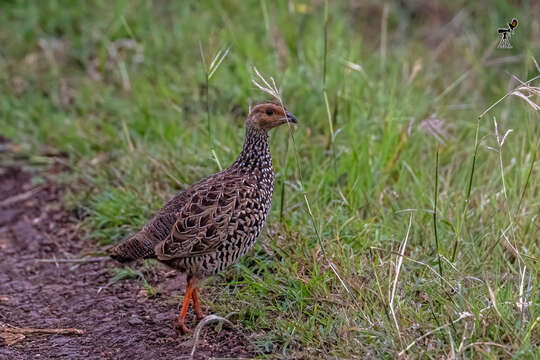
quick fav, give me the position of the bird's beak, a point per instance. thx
(290, 118)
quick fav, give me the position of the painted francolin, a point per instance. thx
(213, 223)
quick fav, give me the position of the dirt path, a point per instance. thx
(119, 322)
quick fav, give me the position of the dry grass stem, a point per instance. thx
(13, 334)
(81, 260)
(20, 197)
(209, 319)
(500, 143)
(462, 316)
(506, 95)
(398, 269)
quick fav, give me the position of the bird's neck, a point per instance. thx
(255, 154)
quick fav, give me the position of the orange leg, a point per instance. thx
(180, 322)
(197, 305)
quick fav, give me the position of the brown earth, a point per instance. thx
(119, 322)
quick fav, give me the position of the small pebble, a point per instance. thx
(135, 321)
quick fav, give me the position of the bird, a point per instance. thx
(213, 223)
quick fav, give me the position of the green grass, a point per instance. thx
(134, 125)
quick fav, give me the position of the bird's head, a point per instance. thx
(268, 115)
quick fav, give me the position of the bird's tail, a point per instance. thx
(136, 247)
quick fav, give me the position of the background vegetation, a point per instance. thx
(390, 154)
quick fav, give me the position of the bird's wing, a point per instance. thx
(207, 218)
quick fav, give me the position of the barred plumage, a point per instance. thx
(210, 225)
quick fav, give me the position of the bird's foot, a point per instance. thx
(181, 327)
(200, 315)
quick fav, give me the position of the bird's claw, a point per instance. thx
(181, 327)
(200, 315)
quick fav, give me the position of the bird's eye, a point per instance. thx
(269, 111)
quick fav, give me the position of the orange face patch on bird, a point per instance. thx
(269, 115)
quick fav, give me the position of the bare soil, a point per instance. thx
(119, 322)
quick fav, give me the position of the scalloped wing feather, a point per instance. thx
(207, 217)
